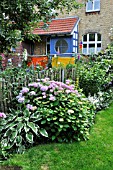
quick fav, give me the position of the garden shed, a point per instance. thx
(60, 37)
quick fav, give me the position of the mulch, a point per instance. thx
(10, 168)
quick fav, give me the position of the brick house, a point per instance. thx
(96, 19)
(93, 22)
(85, 30)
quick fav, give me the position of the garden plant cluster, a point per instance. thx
(47, 110)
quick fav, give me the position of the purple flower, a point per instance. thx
(33, 84)
(29, 107)
(60, 88)
(52, 98)
(51, 90)
(32, 93)
(24, 90)
(78, 56)
(43, 93)
(44, 96)
(72, 86)
(68, 82)
(21, 100)
(2, 115)
(68, 91)
(56, 93)
(44, 88)
(20, 95)
(47, 78)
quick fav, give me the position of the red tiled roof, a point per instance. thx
(57, 26)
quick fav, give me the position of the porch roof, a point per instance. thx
(57, 26)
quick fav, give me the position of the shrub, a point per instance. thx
(51, 109)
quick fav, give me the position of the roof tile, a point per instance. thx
(57, 26)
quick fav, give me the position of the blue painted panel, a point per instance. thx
(53, 41)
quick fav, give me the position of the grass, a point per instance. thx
(94, 154)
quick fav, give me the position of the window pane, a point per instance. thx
(85, 37)
(98, 37)
(89, 5)
(98, 45)
(84, 48)
(61, 46)
(91, 48)
(97, 5)
(91, 37)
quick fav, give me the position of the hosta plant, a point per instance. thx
(20, 130)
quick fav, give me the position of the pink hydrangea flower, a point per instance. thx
(44, 88)
(52, 98)
(21, 100)
(32, 93)
(2, 115)
(24, 90)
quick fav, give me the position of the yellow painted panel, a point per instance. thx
(62, 61)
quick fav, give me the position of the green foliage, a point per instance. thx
(96, 77)
(62, 109)
(93, 154)
(19, 130)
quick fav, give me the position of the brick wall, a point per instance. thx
(100, 22)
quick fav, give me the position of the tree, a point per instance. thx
(19, 17)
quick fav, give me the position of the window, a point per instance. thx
(91, 43)
(61, 46)
(48, 45)
(92, 5)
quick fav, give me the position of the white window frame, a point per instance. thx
(87, 43)
(93, 7)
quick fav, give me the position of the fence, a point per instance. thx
(12, 84)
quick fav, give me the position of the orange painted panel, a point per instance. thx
(42, 61)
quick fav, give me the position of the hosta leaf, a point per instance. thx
(43, 132)
(4, 143)
(13, 135)
(43, 121)
(18, 140)
(29, 137)
(26, 113)
(21, 149)
(19, 127)
(26, 128)
(53, 137)
(56, 103)
(19, 119)
(37, 117)
(8, 132)
(10, 125)
(66, 126)
(33, 127)
(61, 119)
(11, 118)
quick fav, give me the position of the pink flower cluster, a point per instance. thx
(48, 89)
(2, 115)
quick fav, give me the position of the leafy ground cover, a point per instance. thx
(94, 154)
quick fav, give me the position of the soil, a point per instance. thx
(10, 168)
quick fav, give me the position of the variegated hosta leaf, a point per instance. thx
(32, 126)
(29, 137)
(43, 132)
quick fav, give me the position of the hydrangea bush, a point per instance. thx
(49, 111)
(66, 113)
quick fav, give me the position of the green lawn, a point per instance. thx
(94, 154)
